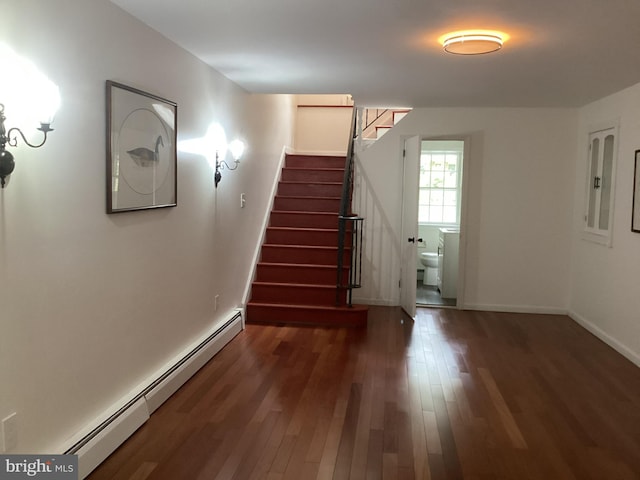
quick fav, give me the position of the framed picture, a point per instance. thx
(141, 150)
(635, 209)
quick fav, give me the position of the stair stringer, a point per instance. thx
(286, 150)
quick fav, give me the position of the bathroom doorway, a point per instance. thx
(439, 220)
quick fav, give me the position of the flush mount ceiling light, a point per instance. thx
(472, 42)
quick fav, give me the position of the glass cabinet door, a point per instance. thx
(600, 185)
(605, 183)
(593, 191)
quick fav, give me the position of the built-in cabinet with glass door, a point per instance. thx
(600, 185)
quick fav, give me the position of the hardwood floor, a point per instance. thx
(455, 395)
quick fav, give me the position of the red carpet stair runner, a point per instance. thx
(296, 276)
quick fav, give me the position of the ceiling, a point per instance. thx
(563, 53)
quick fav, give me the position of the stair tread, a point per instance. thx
(304, 212)
(321, 247)
(298, 285)
(316, 155)
(301, 265)
(310, 182)
(354, 308)
(305, 229)
(331, 169)
(308, 197)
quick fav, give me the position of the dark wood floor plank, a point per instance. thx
(348, 437)
(453, 395)
(375, 455)
(143, 471)
(506, 417)
(363, 430)
(330, 452)
(269, 451)
(297, 461)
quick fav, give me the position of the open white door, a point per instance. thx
(409, 239)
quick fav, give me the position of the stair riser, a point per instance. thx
(307, 204)
(289, 295)
(259, 314)
(310, 189)
(307, 256)
(310, 161)
(309, 175)
(303, 237)
(299, 274)
(304, 220)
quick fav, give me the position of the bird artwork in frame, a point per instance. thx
(141, 150)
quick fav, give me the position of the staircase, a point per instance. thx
(377, 122)
(297, 273)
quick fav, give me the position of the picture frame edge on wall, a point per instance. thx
(635, 205)
(147, 172)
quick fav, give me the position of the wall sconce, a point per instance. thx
(237, 149)
(7, 163)
(213, 145)
(28, 95)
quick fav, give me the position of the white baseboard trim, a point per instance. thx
(479, 307)
(105, 436)
(374, 301)
(622, 349)
(115, 434)
(179, 374)
(515, 309)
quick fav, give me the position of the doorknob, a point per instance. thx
(413, 240)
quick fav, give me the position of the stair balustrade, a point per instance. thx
(350, 226)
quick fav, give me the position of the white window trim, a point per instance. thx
(459, 168)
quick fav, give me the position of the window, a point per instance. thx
(440, 173)
(600, 185)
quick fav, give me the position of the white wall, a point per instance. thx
(430, 236)
(323, 99)
(93, 304)
(323, 124)
(518, 205)
(605, 295)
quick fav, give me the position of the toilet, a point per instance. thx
(430, 261)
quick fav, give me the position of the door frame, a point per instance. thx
(464, 207)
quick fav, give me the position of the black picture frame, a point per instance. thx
(635, 208)
(141, 150)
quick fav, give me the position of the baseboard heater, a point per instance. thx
(99, 443)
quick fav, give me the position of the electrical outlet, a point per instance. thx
(243, 200)
(215, 303)
(10, 432)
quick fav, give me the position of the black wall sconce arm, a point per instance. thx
(221, 165)
(7, 163)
